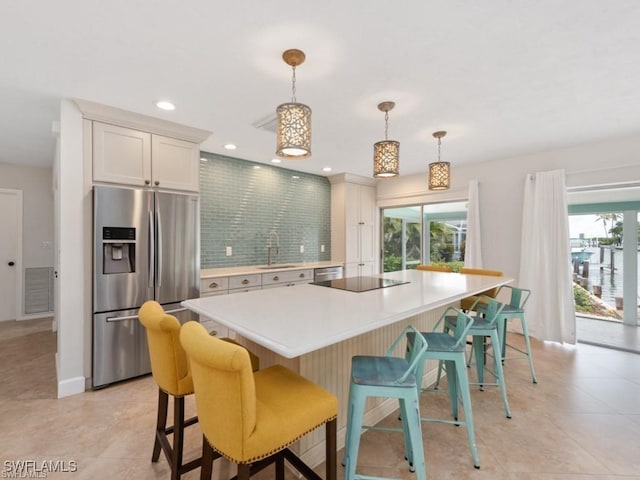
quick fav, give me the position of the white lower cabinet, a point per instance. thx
(214, 286)
(244, 282)
(286, 278)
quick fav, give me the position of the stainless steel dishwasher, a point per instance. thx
(327, 273)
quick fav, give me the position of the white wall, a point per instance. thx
(37, 215)
(71, 284)
(501, 189)
(35, 183)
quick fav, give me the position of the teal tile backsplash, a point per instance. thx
(242, 201)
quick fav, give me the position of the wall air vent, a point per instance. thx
(268, 123)
(38, 290)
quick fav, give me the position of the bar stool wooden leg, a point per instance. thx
(178, 437)
(331, 454)
(161, 424)
(244, 471)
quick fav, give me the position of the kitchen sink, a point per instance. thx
(276, 267)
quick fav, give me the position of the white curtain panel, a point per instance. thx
(545, 265)
(473, 245)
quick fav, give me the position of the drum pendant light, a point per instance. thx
(386, 154)
(439, 174)
(293, 132)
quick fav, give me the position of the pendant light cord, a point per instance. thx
(386, 125)
(293, 85)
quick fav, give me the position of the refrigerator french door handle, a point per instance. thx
(151, 250)
(159, 240)
(122, 319)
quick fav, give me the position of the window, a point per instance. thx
(427, 233)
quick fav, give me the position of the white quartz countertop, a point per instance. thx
(296, 320)
(253, 269)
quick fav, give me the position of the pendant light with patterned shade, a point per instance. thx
(439, 172)
(293, 131)
(386, 153)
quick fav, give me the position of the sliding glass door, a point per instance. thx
(426, 233)
(604, 254)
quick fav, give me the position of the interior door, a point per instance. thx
(9, 261)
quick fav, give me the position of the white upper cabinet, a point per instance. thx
(127, 148)
(121, 155)
(130, 157)
(175, 163)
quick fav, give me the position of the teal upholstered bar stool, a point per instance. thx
(390, 377)
(485, 325)
(515, 309)
(449, 347)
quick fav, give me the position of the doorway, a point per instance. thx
(605, 259)
(10, 253)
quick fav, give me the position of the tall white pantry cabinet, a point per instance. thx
(353, 224)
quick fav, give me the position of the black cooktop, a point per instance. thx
(360, 284)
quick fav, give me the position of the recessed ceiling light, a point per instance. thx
(256, 167)
(276, 160)
(165, 105)
(326, 169)
(295, 176)
(230, 146)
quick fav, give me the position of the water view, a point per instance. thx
(600, 271)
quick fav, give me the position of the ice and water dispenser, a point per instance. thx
(118, 250)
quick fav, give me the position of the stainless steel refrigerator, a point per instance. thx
(145, 248)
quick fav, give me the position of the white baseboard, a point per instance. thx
(69, 386)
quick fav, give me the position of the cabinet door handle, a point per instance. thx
(156, 183)
(360, 223)
(276, 278)
(302, 275)
(147, 182)
(213, 285)
(245, 282)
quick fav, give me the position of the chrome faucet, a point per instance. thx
(270, 257)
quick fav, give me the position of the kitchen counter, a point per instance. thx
(316, 330)
(259, 269)
(294, 322)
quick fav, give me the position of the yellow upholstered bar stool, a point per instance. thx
(434, 268)
(252, 419)
(468, 302)
(171, 372)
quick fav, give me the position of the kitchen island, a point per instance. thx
(315, 330)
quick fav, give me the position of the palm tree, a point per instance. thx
(604, 218)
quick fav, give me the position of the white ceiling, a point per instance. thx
(503, 77)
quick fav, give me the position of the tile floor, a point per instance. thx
(608, 333)
(581, 421)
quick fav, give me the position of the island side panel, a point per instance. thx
(331, 368)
